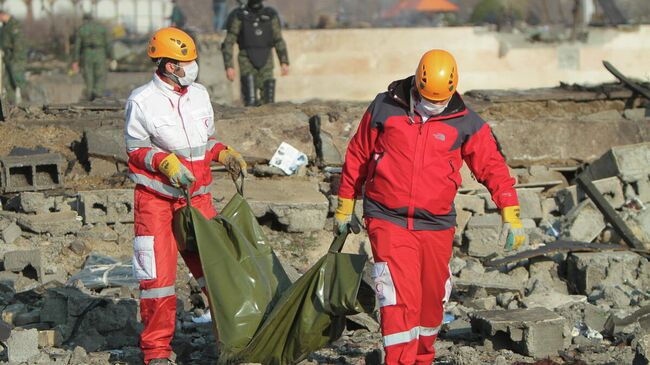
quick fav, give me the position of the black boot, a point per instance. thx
(269, 91)
(248, 90)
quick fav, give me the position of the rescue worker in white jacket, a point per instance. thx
(168, 131)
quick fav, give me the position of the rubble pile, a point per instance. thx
(578, 290)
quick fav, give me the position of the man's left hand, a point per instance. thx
(284, 69)
(516, 236)
(233, 161)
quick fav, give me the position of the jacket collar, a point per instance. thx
(401, 91)
(168, 89)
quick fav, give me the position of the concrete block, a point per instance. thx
(9, 230)
(462, 218)
(29, 262)
(643, 190)
(544, 278)
(582, 223)
(106, 206)
(493, 282)
(483, 233)
(536, 332)
(22, 345)
(57, 224)
(549, 208)
(629, 162)
(106, 143)
(99, 231)
(530, 203)
(588, 271)
(611, 188)
(296, 205)
(49, 338)
(32, 172)
(471, 203)
(103, 168)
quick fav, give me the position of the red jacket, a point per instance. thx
(411, 169)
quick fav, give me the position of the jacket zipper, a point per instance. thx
(415, 176)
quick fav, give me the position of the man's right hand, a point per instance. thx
(230, 73)
(343, 214)
(75, 67)
(177, 173)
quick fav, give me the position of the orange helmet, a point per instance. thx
(437, 75)
(172, 43)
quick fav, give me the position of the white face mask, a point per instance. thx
(429, 109)
(191, 73)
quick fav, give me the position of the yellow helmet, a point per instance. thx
(437, 75)
(172, 43)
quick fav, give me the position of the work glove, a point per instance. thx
(177, 173)
(513, 228)
(233, 161)
(112, 65)
(343, 214)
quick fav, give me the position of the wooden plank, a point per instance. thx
(608, 212)
(555, 247)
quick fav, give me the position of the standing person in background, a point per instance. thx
(14, 57)
(407, 153)
(220, 12)
(178, 18)
(257, 30)
(92, 50)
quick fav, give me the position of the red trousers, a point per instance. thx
(412, 282)
(154, 264)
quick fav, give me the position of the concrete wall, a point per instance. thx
(356, 64)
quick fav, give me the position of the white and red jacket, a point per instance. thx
(160, 120)
(411, 168)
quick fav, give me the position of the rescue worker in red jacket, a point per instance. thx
(168, 131)
(407, 153)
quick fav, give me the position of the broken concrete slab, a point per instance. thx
(536, 332)
(106, 206)
(582, 223)
(22, 345)
(589, 271)
(297, 205)
(470, 203)
(530, 203)
(595, 317)
(552, 300)
(544, 278)
(611, 188)
(107, 143)
(9, 230)
(493, 282)
(57, 224)
(636, 113)
(629, 162)
(483, 233)
(642, 351)
(264, 133)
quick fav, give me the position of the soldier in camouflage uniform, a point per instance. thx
(14, 57)
(256, 29)
(92, 49)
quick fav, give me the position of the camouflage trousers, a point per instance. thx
(12, 78)
(94, 71)
(261, 75)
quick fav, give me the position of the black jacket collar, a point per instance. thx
(400, 92)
